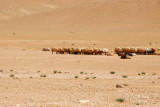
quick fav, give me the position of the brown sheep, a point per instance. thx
(86, 51)
(133, 50)
(141, 50)
(66, 50)
(118, 50)
(60, 51)
(150, 50)
(71, 50)
(54, 50)
(95, 51)
(100, 51)
(110, 54)
(153, 49)
(90, 51)
(45, 49)
(157, 52)
(76, 51)
(79, 51)
(125, 56)
(82, 51)
(126, 50)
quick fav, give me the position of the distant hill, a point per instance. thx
(79, 19)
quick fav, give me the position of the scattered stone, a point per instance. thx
(18, 105)
(84, 101)
(125, 84)
(118, 86)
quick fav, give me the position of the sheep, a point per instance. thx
(141, 50)
(118, 50)
(82, 51)
(87, 51)
(71, 50)
(158, 49)
(110, 54)
(157, 52)
(133, 50)
(126, 50)
(150, 50)
(79, 51)
(105, 51)
(91, 51)
(60, 51)
(54, 50)
(65, 50)
(46, 49)
(76, 51)
(100, 51)
(125, 56)
(95, 51)
(154, 49)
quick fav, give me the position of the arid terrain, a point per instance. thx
(31, 77)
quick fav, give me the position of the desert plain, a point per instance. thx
(31, 77)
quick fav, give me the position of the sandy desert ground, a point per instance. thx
(96, 84)
(27, 26)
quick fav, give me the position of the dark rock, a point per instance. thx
(118, 86)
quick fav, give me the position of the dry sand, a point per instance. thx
(26, 26)
(27, 88)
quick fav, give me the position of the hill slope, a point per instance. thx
(79, 19)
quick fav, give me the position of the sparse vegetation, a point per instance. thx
(55, 71)
(154, 74)
(137, 103)
(11, 75)
(150, 43)
(143, 73)
(120, 100)
(43, 75)
(30, 77)
(81, 72)
(94, 77)
(139, 74)
(76, 76)
(1, 70)
(124, 76)
(38, 71)
(112, 72)
(87, 78)
(85, 73)
(11, 70)
(15, 77)
(59, 72)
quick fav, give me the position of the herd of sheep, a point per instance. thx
(80, 51)
(143, 51)
(101, 51)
